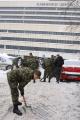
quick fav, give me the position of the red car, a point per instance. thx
(70, 70)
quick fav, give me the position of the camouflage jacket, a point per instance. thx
(46, 63)
(20, 78)
(31, 62)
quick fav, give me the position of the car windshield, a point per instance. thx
(72, 63)
(11, 58)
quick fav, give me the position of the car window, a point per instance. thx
(3, 60)
(11, 58)
(69, 63)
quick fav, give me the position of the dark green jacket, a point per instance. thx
(20, 78)
(31, 62)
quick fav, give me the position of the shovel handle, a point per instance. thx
(24, 101)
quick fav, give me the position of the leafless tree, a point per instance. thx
(73, 3)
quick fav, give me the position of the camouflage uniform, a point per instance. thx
(17, 79)
(48, 65)
(31, 62)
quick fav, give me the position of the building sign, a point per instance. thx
(51, 4)
(75, 3)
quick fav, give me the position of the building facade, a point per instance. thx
(41, 27)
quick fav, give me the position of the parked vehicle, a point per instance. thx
(71, 70)
(6, 61)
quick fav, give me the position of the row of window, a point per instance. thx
(40, 32)
(40, 8)
(40, 17)
(59, 3)
(41, 13)
(41, 22)
(40, 49)
(40, 40)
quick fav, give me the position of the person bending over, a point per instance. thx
(17, 80)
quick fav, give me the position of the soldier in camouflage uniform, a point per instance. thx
(31, 62)
(17, 80)
(15, 62)
(48, 65)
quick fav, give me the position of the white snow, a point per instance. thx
(49, 101)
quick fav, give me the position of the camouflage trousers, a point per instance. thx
(14, 91)
(48, 73)
(56, 72)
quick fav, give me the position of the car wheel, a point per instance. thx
(8, 67)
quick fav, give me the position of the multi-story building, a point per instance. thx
(41, 27)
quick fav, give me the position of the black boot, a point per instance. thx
(16, 110)
(49, 81)
(34, 81)
(19, 103)
(57, 81)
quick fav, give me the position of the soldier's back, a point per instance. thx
(47, 62)
(20, 75)
(32, 63)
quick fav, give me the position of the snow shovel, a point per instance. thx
(27, 106)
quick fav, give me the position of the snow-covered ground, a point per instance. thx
(49, 101)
